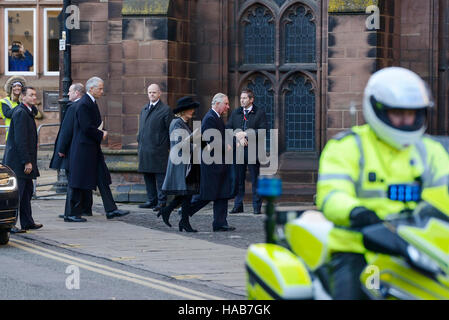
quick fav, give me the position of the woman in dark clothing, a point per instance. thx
(182, 177)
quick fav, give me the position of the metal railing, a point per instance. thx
(35, 184)
(3, 146)
(39, 130)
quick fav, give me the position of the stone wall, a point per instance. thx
(132, 44)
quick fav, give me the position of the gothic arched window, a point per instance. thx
(276, 55)
(300, 35)
(264, 95)
(258, 36)
(299, 102)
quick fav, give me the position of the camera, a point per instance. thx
(15, 48)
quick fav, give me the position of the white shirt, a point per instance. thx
(91, 97)
(31, 110)
(153, 104)
(216, 113)
(248, 110)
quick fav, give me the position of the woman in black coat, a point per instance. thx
(182, 177)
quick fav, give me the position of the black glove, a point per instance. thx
(361, 217)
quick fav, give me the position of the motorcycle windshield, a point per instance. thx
(433, 240)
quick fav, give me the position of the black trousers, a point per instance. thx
(81, 199)
(254, 170)
(153, 183)
(105, 191)
(25, 195)
(345, 269)
(220, 210)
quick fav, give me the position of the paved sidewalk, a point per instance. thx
(142, 240)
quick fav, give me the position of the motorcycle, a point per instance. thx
(407, 259)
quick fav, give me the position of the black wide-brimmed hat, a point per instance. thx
(185, 103)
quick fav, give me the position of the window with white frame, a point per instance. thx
(51, 41)
(20, 37)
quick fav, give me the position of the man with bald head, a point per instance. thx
(154, 145)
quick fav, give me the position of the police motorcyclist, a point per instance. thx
(362, 171)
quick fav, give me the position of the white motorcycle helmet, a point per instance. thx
(396, 88)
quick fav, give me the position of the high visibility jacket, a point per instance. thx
(11, 104)
(356, 170)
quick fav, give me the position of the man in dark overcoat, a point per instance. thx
(87, 166)
(21, 155)
(247, 117)
(61, 154)
(154, 146)
(216, 178)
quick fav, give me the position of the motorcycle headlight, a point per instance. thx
(8, 184)
(422, 260)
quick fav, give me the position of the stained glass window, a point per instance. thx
(300, 115)
(264, 98)
(300, 36)
(259, 36)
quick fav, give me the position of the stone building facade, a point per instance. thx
(307, 61)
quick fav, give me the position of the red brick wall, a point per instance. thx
(211, 50)
(130, 53)
(419, 43)
(351, 61)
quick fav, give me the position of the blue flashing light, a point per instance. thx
(269, 187)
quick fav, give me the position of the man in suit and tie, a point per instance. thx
(248, 116)
(21, 155)
(154, 145)
(87, 166)
(61, 154)
(215, 179)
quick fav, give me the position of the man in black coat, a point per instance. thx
(61, 154)
(248, 116)
(154, 146)
(21, 155)
(87, 166)
(215, 179)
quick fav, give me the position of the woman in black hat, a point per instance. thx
(182, 177)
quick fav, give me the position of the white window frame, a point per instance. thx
(35, 60)
(46, 72)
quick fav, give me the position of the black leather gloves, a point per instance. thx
(361, 217)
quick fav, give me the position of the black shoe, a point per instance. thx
(116, 213)
(34, 227)
(159, 206)
(165, 212)
(237, 210)
(17, 230)
(74, 219)
(61, 216)
(86, 214)
(224, 228)
(257, 212)
(185, 225)
(148, 205)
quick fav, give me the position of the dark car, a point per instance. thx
(9, 202)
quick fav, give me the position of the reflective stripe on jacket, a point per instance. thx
(11, 105)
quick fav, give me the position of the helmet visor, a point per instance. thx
(381, 110)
